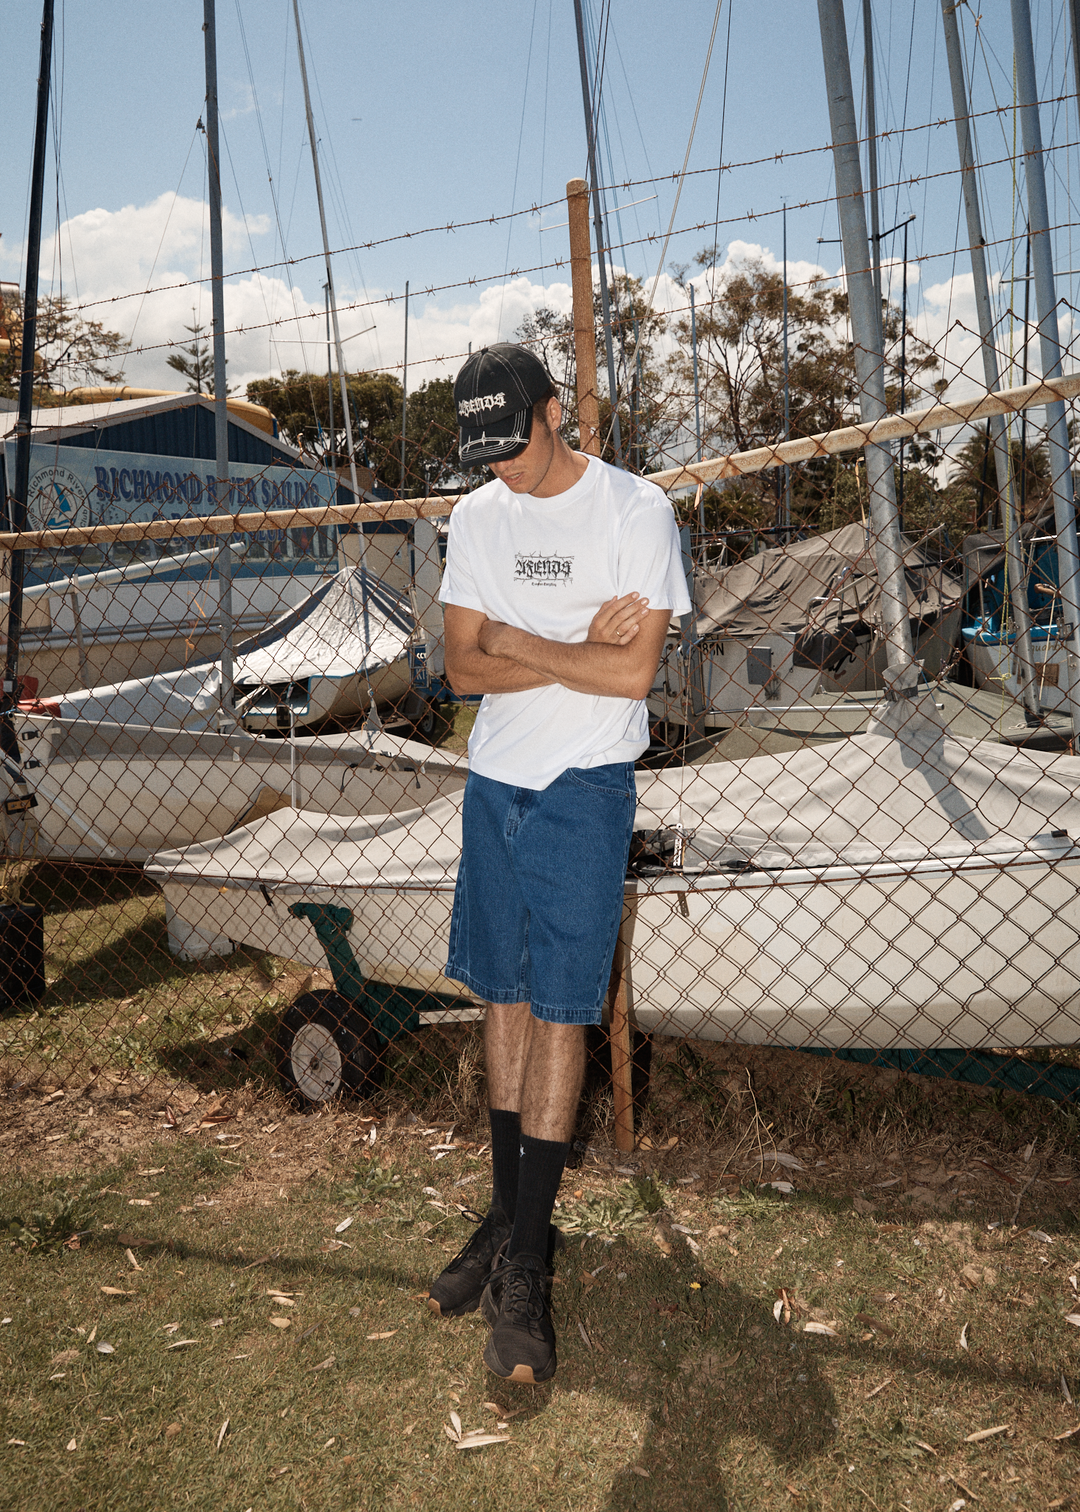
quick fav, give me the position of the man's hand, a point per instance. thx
(616, 622)
(619, 659)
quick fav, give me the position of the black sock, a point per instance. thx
(505, 1159)
(542, 1163)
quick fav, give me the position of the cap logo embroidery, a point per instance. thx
(481, 403)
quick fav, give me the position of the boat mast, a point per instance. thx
(590, 135)
(357, 495)
(17, 501)
(998, 432)
(901, 674)
(1057, 440)
(871, 155)
(221, 414)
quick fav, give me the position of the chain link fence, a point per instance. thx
(238, 869)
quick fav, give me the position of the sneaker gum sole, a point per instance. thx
(521, 1375)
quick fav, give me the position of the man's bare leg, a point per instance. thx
(554, 1071)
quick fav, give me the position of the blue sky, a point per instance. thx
(433, 113)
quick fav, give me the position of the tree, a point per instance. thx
(741, 381)
(300, 404)
(70, 351)
(195, 362)
(635, 326)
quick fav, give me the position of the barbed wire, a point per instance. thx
(536, 209)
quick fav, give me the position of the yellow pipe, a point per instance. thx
(255, 414)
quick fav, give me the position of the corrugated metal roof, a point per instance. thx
(174, 425)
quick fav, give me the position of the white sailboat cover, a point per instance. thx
(905, 791)
(352, 623)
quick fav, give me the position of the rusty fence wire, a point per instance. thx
(239, 868)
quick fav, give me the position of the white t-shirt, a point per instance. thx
(546, 566)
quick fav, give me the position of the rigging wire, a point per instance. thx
(517, 162)
(686, 159)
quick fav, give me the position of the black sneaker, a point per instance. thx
(517, 1304)
(458, 1289)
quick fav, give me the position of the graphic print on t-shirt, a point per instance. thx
(542, 570)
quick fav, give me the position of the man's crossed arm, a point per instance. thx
(618, 660)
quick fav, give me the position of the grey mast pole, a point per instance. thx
(598, 222)
(1042, 263)
(221, 414)
(345, 410)
(901, 673)
(998, 432)
(18, 498)
(871, 155)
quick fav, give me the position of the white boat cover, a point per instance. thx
(904, 791)
(351, 623)
(821, 585)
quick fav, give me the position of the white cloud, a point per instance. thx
(99, 257)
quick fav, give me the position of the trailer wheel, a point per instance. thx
(326, 1047)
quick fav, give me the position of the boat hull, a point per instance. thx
(930, 955)
(121, 793)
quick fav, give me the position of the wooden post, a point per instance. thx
(577, 202)
(622, 1062)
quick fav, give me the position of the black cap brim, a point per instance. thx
(497, 441)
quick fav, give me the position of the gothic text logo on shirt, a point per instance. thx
(543, 571)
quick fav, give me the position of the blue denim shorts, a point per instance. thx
(540, 890)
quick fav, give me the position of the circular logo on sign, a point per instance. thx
(56, 498)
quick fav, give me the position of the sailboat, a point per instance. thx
(901, 887)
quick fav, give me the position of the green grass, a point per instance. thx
(677, 1387)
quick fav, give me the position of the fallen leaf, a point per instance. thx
(456, 1422)
(116, 1291)
(477, 1440)
(140, 1202)
(92, 1335)
(662, 1244)
(784, 1187)
(280, 1301)
(876, 1325)
(216, 1323)
(1069, 1433)
(344, 1224)
(451, 1433)
(104, 1348)
(886, 1382)
(389, 1334)
(281, 1322)
(19, 1443)
(325, 1365)
(929, 1448)
(964, 1336)
(132, 1260)
(66, 1357)
(987, 1433)
(820, 1328)
(152, 1171)
(639, 1470)
(71, 1445)
(172, 1430)
(781, 1157)
(183, 1343)
(169, 1327)
(1073, 1318)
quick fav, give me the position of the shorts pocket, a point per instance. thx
(617, 779)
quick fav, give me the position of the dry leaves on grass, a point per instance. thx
(987, 1433)
(476, 1438)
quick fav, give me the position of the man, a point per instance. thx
(561, 578)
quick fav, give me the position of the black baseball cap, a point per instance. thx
(494, 395)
